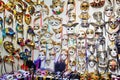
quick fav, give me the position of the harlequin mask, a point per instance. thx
(108, 10)
(9, 47)
(113, 65)
(97, 16)
(81, 34)
(112, 37)
(84, 16)
(84, 5)
(20, 41)
(90, 33)
(19, 17)
(42, 55)
(2, 6)
(98, 3)
(27, 19)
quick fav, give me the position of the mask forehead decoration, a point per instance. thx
(57, 6)
(97, 3)
(84, 6)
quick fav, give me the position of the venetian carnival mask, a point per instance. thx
(108, 10)
(19, 17)
(72, 16)
(81, 43)
(58, 32)
(112, 64)
(64, 54)
(71, 51)
(27, 19)
(118, 2)
(113, 51)
(97, 16)
(84, 5)
(90, 33)
(72, 64)
(42, 55)
(57, 47)
(112, 37)
(64, 40)
(81, 34)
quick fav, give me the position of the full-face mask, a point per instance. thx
(72, 64)
(64, 54)
(72, 16)
(58, 32)
(112, 65)
(90, 33)
(81, 43)
(49, 44)
(81, 34)
(97, 16)
(112, 37)
(42, 55)
(64, 40)
(108, 10)
(113, 51)
(71, 51)
(57, 47)
(84, 5)
(52, 55)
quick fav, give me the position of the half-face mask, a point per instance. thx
(112, 65)
(81, 34)
(108, 10)
(58, 32)
(42, 55)
(98, 3)
(90, 33)
(84, 5)
(27, 19)
(113, 51)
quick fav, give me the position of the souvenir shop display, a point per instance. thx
(59, 39)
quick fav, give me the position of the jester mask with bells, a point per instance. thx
(84, 6)
(112, 65)
(57, 6)
(112, 49)
(58, 32)
(98, 3)
(108, 11)
(70, 27)
(42, 55)
(54, 21)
